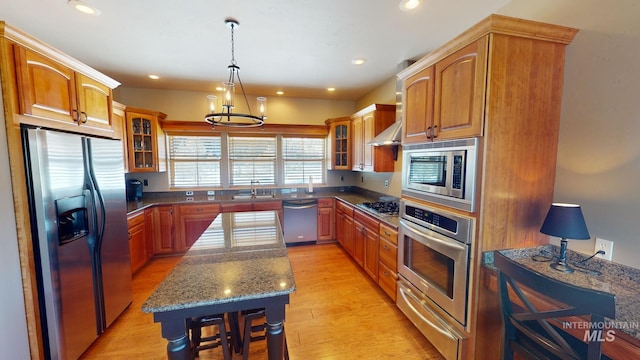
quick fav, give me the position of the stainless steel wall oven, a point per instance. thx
(433, 263)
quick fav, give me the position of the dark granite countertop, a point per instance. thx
(353, 197)
(240, 256)
(619, 280)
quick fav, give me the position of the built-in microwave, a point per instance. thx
(443, 172)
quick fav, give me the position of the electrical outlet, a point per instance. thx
(606, 246)
(386, 183)
(189, 193)
(145, 182)
(211, 192)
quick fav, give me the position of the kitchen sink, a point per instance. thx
(249, 197)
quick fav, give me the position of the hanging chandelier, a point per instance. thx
(226, 117)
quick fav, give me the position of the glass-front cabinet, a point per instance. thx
(146, 140)
(340, 143)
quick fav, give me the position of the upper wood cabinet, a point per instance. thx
(446, 100)
(120, 130)
(366, 124)
(339, 143)
(54, 95)
(146, 142)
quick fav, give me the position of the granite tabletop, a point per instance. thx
(619, 280)
(240, 256)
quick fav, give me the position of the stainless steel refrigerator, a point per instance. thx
(80, 237)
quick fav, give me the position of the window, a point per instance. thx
(303, 157)
(195, 161)
(252, 158)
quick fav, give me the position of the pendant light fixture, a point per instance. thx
(225, 116)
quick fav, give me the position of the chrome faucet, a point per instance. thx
(253, 187)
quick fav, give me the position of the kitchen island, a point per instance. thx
(239, 262)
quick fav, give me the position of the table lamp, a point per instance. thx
(566, 222)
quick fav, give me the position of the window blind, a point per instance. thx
(194, 161)
(303, 157)
(252, 158)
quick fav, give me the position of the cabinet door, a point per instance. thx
(387, 279)
(345, 231)
(357, 126)
(371, 252)
(358, 242)
(340, 137)
(148, 226)
(94, 102)
(46, 88)
(191, 221)
(146, 141)
(163, 229)
(368, 133)
(417, 121)
(137, 237)
(460, 92)
(326, 224)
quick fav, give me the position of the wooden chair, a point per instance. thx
(221, 338)
(256, 332)
(535, 334)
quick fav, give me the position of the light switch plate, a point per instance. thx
(606, 246)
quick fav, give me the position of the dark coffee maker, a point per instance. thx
(134, 190)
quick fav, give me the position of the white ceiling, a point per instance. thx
(299, 46)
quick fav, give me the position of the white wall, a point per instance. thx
(13, 326)
(599, 145)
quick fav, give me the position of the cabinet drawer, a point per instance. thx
(325, 202)
(388, 233)
(388, 254)
(345, 208)
(267, 205)
(367, 221)
(135, 219)
(197, 209)
(387, 280)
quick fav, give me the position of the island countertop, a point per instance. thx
(240, 256)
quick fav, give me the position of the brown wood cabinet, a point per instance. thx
(146, 142)
(53, 95)
(163, 230)
(148, 226)
(191, 221)
(367, 124)
(344, 226)
(446, 100)
(137, 240)
(253, 206)
(326, 219)
(340, 139)
(388, 265)
(501, 80)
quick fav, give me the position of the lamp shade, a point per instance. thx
(565, 221)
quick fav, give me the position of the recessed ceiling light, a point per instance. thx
(154, 77)
(280, 92)
(331, 89)
(358, 61)
(406, 5)
(84, 7)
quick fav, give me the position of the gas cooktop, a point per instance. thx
(382, 207)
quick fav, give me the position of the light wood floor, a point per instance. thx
(337, 312)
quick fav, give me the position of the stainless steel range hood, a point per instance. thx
(390, 136)
(393, 134)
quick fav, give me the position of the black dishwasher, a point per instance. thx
(300, 221)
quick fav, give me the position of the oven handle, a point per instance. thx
(446, 242)
(437, 327)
